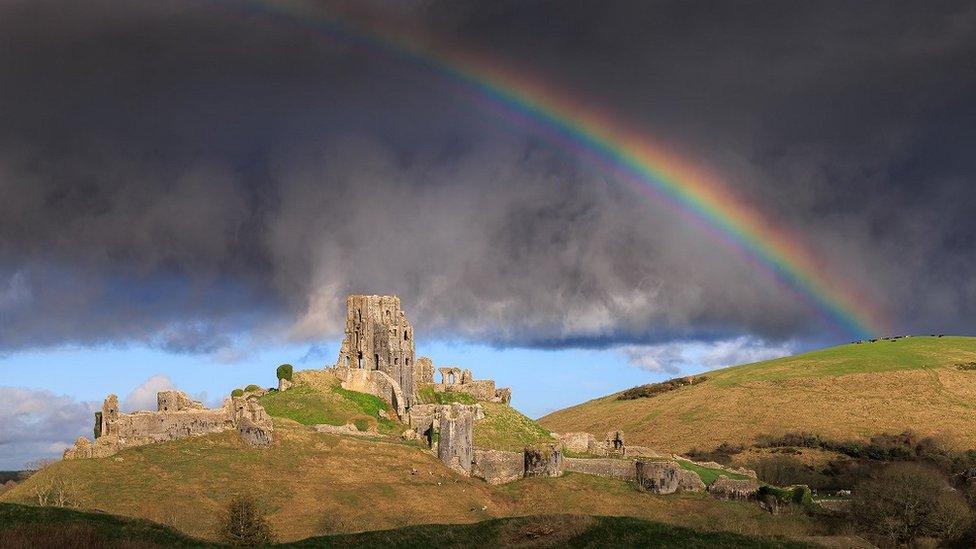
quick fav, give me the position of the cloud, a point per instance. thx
(201, 179)
(36, 424)
(143, 397)
(676, 357)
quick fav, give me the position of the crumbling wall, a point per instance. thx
(666, 477)
(546, 462)
(734, 489)
(380, 338)
(577, 442)
(423, 373)
(177, 417)
(498, 466)
(455, 446)
(374, 382)
(462, 381)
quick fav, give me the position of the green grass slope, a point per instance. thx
(52, 527)
(849, 391)
(318, 398)
(505, 428)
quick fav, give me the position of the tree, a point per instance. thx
(908, 501)
(285, 371)
(244, 523)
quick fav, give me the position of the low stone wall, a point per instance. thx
(498, 466)
(601, 467)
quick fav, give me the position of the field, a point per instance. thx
(850, 391)
(65, 528)
(314, 484)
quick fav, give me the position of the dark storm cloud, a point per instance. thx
(187, 173)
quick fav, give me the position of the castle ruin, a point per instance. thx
(377, 356)
(176, 417)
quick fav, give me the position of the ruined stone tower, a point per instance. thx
(379, 337)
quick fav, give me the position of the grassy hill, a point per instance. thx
(850, 391)
(314, 484)
(33, 526)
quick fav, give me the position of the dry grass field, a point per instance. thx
(315, 484)
(850, 391)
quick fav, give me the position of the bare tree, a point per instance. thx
(908, 501)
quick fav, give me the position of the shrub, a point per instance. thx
(786, 471)
(908, 501)
(285, 371)
(245, 524)
(362, 425)
(654, 389)
(252, 387)
(237, 393)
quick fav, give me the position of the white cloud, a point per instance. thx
(37, 424)
(679, 356)
(742, 350)
(143, 397)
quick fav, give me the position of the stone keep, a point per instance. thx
(379, 337)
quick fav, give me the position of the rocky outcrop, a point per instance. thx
(176, 417)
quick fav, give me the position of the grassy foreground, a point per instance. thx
(24, 525)
(844, 392)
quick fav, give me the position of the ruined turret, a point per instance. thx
(379, 338)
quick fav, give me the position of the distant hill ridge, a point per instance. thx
(849, 391)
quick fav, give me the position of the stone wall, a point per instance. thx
(462, 381)
(601, 467)
(378, 337)
(547, 462)
(734, 489)
(423, 373)
(176, 417)
(498, 466)
(666, 477)
(577, 441)
(455, 446)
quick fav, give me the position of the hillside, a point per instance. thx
(849, 391)
(314, 484)
(24, 525)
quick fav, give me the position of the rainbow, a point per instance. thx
(628, 154)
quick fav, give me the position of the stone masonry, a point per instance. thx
(379, 338)
(176, 417)
(377, 356)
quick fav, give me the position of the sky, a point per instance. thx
(190, 189)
